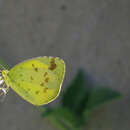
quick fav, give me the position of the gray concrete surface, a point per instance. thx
(93, 34)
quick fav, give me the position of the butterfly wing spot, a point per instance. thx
(31, 78)
(26, 91)
(45, 90)
(42, 84)
(36, 69)
(45, 74)
(37, 92)
(53, 65)
(46, 80)
(33, 65)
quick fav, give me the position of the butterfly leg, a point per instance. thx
(3, 91)
(3, 88)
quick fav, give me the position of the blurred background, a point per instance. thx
(91, 34)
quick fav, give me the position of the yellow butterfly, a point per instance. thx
(36, 80)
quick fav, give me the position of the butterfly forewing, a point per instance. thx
(38, 80)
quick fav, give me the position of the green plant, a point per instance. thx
(78, 102)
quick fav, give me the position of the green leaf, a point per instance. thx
(63, 118)
(75, 94)
(99, 96)
(78, 102)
